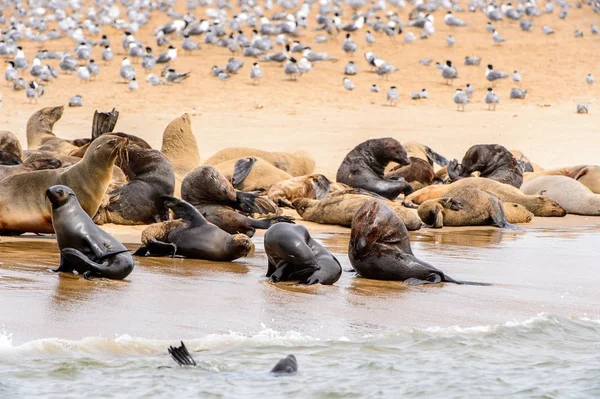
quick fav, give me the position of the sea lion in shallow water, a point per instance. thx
(293, 255)
(490, 160)
(379, 249)
(23, 206)
(418, 174)
(252, 174)
(298, 163)
(192, 236)
(364, 167)
(573, 196)
(470, 206)
(340, 207)
(539, 205)
(84, 247)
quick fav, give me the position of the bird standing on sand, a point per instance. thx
(582, 108)
(107, 55)
(188, 45)
(304, 66)
(590, 79)
(374, 89)
(34, 91)
(516, 93)
(127, 72)
(492, 75)
(176, 77)
(11, 74)
(491, 99)
(291, 69)
(369, 38)
(133, 84)
(450, 41)
(148, 60)
(154, 80)
(489, 28)
(516, 77)
(469, 90)
(255, 73)
(348, 85)
(392, 96)
(449, 72)
(93, 68)
(349, 46)
(496, 38)
(451, 20)
(76, 101)
(68, 63)
(169, 56)
(233, 66)
(460, 99)
(547, 30)
(83, 73)
(350, 68)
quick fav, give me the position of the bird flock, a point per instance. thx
(281, 32)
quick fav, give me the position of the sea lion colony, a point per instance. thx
(58, 184)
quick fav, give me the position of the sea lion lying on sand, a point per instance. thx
(492, 161)
(313, 186)
(418, 174)
(41, 164)
(573, 196)
(252, 174)
(298, 163)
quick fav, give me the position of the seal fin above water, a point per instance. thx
(182, 356)
(242, 169)
(184, 210)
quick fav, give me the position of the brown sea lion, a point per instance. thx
(492, 161)
(539, 205)
(252, 174)
(40, 135)
(192, 236)
(470, 206)
(181, 148)
(524, 162)
(23, 206)
(298, 163)
(425, 153)
(379, 249)
(310, 186)
(41, 164)
(588, 175)
(11, 152)
(216, 199)
(149, 178)
(418, 174)
(364, 167)
(573, 196)
(339, 208)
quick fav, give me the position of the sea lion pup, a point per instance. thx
(299, 163)
(181, 355)
(421, 151)
(23, 206)
(470, 206)
(149, 177)
(217, 200)
(192, 236)
(11, 152)
(341, 206)
(40, 164)
(252, 174)
(293, 255)
(309, 186)
(573, 196)
(492, 161)
(364, 167)
(84, 247)
(418, 174)
(379, 249)
(539, 205)
(181, 148)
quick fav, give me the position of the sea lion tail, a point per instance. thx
(253, 203)
(181, 356)
(268, 222)
(434, 157)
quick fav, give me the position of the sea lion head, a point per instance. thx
(431, 213)
(104, 149)
(391, 150)
(486, 158)
(302, 204)
(548, 207)
(241, 245)
(516, 213)
(59, 195)
(7, 158)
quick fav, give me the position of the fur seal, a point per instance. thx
(425, 153)
(216, 199)
(85, 247)
(588, 175)
(539, 205)
(40, 133)
(573, 196)
(252, 174)
(23, 206)
(149, 177)
(11, 152)
(379, 249)
(490, 160)
(40, 164)
(192, 236)
(340, 207)
(418, 174)
(298, 163)
(310, 186)
(364, 167)
(294, 255)
(470, 206)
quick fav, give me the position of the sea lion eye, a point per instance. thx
(112, 141)
(60, 192)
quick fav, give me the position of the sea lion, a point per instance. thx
(418, 174)
(539, 205)
(492, 161)
(149, 177)
(470, 206)
(40, 133)
(573, 196)
(252, 174)
(299, 163)
(181, 148)
(379, 249)
(132, 139)
(216, 199)
(41, 164)
(23, 206)
(425, 153)
(340, 207)
(310, 186)
(85, 247)
(364, 167)
(10, 149)
(192, 236)
(588, 175)
(293, 255)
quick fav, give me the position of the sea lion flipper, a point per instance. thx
(434, 157)
(159, 248)
(498, 215)
(184, 210)
(253, 203)
(413, 282)
(182, 356)
(77, 260)
(141, 251)
(268, 222)
(282, 273)
(242, 169)
(321, 186)
(104, 122)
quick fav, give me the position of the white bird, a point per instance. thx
(133, 85)
(469, 90)
(349, 46)
(460, 99)
(176, 77)
(34, 91)
(516, 77)
(547, 30)
(127, 72)
(449, 72)
(492, 75)
(350, 68)
(256, 73)
(291, 68)
(369, 38)
(392, 96)
(169, 56)
(107, 55)
(472, 60)
(590, 79)
(489, 27)
(348, 85)
(450, 41)
(76, 101)
(374, 89)
(154, 80)
(83, 73)
(491, 99)
(516, 93)
(304, 66)
(451, 20)
(497, 38)
(11, 74)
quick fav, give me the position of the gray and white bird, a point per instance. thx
(169, 56)
(233, 66)
(469, 91)
(76, 101)
(595, 29)
(188, 45)
(491, 99)
(133, 84)
(578, 33)
(304, 66)
(472, 60)
(348, 85)
(19, 84)
(374, 89)
(492, 75)
(496, 38)
(450, 41)
(451, 20)
(350, 68)
(11, 74)
(135, 51)
(424, 94)
(517, 93)
(516, 77)
(148, 60)
(83, 51)
(20, 61)
(590, 79)
(460, 99)
(154, 80)
(107, 55)
(256, 73)
(36, 68)
(582, 108)
(94, 69)
(127, 71)
(68, 63)
(547, 30)
(409, 37)
(369, 38)
(277, 57)
(291, 68)
(223, 76)
(176, 77)
(526, 25)
(349, 46)
(449, 72)
(489, 28)
(83, 73)
(392, 96)
(34, 91)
